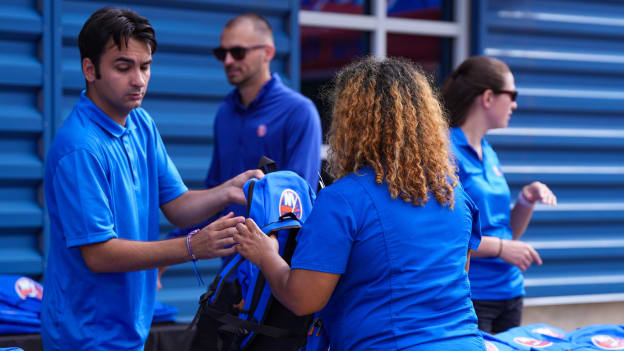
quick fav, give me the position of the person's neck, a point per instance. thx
(474, 129)
(115, 116)
(249, 91)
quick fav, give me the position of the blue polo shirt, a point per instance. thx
(279, 123)
(102, 181)
(403, 283)
(491, 278)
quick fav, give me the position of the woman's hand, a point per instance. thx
(253, 244)
(538, 191)
(519, 254)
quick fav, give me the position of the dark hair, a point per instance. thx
(387, 116)
(474, 76)
(260, 24)
(118, 24)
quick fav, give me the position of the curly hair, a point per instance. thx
(386, 116)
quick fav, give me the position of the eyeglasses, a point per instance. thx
(238, 52)
(513, 94)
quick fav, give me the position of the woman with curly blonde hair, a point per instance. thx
(382, 254)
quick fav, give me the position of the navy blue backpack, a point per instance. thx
(279, 203)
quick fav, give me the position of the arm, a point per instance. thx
(301, 291)
(514, 252)
(523, 210)
(119, 255)
(196, 205)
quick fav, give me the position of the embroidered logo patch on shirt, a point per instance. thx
(262, 130)
(607, 342)
(538, 344)
(497, 171)
(26, 287)
(290, 202)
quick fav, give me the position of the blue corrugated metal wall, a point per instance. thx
(568, 61)
(23, 133)
(40, 81)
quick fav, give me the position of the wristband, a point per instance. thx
(500, 247)
(523, 201)
(189, 249)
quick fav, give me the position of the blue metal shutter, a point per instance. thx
(568, 61)
(186, 87)
(23, 135)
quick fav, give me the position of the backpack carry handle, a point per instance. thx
(267, 165)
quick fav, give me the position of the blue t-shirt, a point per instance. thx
(102, 181)
(491, 278)
(403, 282)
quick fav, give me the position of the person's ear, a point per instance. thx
(487, 98)
(88, 70)
(269, 52)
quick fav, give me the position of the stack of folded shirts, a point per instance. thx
(20, 305)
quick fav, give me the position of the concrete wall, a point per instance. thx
(571, 317)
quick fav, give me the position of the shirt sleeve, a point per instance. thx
(325, 240)
(82, 196)
(475, 234)
(303, 146)
(170, 184)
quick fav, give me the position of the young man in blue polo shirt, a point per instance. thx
(107, 175)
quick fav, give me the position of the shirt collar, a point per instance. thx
(275, 79)
(458, 137)
(102, 119)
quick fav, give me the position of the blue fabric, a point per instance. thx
(279, 123)
(403, 282)
(20, 293)
(491, 278)
(493, 343)
(536, 337)
(598, 337)
(102, 181)
(164, 312)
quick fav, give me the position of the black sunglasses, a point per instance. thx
(238, 52)
(513, 94)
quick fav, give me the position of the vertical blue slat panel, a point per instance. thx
(21, 136)
(568, 61)
(185, 90)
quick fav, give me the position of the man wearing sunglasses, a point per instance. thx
(260, 117)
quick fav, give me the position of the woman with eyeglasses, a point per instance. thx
(383, 253)
(480, 95)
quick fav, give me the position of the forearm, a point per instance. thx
(278, 273)
(119, 255)
(520, 218)
(195, 206)
(489, 247)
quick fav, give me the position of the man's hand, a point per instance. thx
(538, 191)
(234, 186)
(216, 239)
(519, 254)
(253, 244)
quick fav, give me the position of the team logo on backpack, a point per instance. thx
(549, 332)
(538, 344)
(26, 287)
(290, 202)
(607, 342)
(490, 347)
